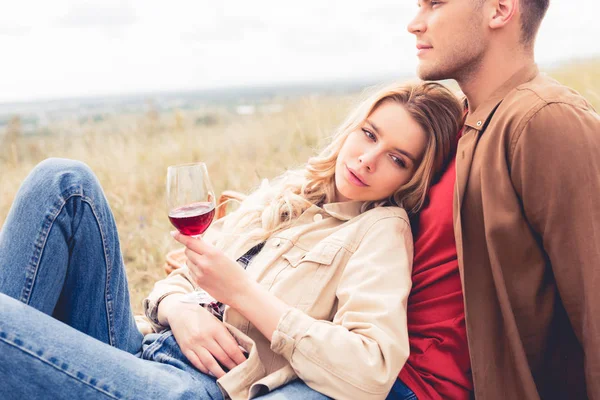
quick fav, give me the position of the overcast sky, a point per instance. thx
(64, 48)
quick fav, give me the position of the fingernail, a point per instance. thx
(174, 233)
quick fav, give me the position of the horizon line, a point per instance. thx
(356, 80)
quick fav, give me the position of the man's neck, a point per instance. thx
(493, 71)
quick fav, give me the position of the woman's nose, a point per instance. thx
(367, 161)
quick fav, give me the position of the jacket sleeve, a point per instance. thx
(556, 169)
(360, 353)
(178, 281)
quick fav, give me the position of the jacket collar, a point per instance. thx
(344, 211)
(476, 118)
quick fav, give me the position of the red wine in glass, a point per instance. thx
(193, 219)
(191, 208)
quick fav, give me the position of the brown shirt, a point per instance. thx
(527, 225)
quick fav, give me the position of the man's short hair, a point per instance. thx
(532, 13)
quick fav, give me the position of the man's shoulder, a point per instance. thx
(541, 97)
(542, 91)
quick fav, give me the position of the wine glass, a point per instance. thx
(191, 208)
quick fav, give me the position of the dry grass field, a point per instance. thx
(130, 155)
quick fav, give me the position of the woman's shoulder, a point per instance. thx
(379, 213)
(389, 225)
(381, 221)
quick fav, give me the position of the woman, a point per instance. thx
(328, 252)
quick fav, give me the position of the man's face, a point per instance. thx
(451, 38)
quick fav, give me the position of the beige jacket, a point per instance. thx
(347, 276)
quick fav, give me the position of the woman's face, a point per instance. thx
(380, 156)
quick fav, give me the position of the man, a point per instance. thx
(526, 214)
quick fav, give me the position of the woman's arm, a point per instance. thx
(204, 340)
(178, 282)
(360, 353)
(261, 308)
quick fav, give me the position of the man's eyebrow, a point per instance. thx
(404, 152)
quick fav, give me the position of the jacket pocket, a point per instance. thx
(308, 272)
(322, 254)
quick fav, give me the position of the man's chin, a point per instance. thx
(431, 73)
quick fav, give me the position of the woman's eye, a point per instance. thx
(398, 161)
(369, 134)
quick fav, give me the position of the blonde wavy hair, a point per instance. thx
(276, 205)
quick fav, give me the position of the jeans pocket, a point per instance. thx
(162, 347)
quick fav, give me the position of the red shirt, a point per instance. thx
(438, 366)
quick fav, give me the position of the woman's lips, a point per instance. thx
(354, 179)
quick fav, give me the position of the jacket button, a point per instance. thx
(479, 123)
(317, 217)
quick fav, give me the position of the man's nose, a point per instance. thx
(417, 25)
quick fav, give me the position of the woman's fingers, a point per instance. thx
(231, 347)
(209, 361)
(193, 264)
(194, 257)
(195, 244)
(220, 355)
(193, 358)
(196, 331)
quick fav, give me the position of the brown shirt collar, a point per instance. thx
(477, 118)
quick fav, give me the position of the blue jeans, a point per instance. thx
(66, 326)
(401, 392)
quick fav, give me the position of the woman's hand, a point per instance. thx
(223, 278)
(226, 281)
(203, 339)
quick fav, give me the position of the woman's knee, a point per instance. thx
(62, 174)
(57, 166)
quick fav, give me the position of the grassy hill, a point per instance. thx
(130, 154)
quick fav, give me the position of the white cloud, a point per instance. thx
(101, 14)
(12, 29)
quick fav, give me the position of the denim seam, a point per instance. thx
(40, 243)
(4, 339)
(153, 348)
(107, 294)
(167, 350)
(72, 191)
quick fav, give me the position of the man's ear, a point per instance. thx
(503, 12)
